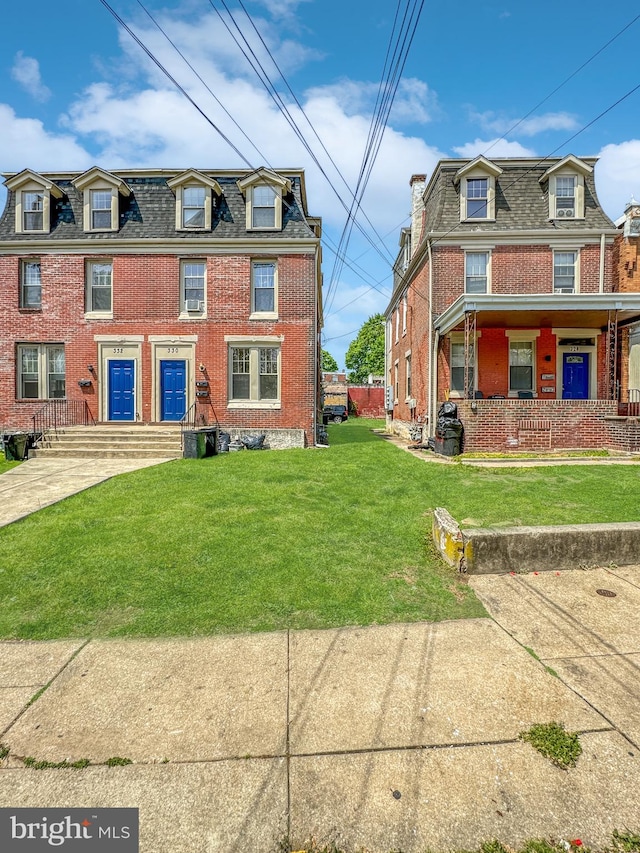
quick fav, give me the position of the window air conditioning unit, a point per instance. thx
(192, 304)
(565, 211)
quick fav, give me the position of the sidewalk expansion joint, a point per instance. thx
(45, 687)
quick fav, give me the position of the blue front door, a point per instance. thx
(173, 390)
(575, 376)
(122, 383)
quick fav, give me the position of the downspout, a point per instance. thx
(601, 280)
(430, 371)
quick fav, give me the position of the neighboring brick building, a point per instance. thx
(507, 300)
(150, 295)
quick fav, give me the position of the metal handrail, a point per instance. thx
(62, 413)
(190, 420)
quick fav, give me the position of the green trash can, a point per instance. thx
(15, 447)
(195, 444)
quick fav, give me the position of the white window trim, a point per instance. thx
(201, 314)
(396, 381)
(264, 315)
(404, 315)
(277, 191)
(87, 208)
(579, 196)
(526, 336)
(180, 226)
(397, 334)
(491, 197)
(576, 273)
(408, 373)
(254, 345)
(43, 377)
(88, 313)
(489, 255)
(33, 187)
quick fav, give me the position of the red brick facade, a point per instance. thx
(463, 337)
(147, 325)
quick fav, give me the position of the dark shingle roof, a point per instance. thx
(522, 202)
(149, 212)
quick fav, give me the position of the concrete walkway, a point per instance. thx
(385, 738)
(389, 737)
(37, 483)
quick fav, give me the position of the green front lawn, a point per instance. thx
(257, 541)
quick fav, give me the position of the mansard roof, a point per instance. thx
(148, 212)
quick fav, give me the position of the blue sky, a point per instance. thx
(76, 91)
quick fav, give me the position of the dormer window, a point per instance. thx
(263, 207)
(566, 196)
(263, 190)
(101, 193)
(193, 204)
(566, 188)
(194, 193)
(477, 198)
(477, 182)
(33, 211)
(100, 210)
(33, 194)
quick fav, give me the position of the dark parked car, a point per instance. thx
(335, 414)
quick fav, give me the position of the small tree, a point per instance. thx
(329, 364)
(366, 353)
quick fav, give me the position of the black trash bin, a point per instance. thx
(16, 446)
(199, 443)
(452, 438)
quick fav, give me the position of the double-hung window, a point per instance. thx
(263, 288)
(41, 371)
(564, 272)
(193, 207)
(521, 361)
(99, 288)
(255, 374)
(407, 375)
(30, 285)
(193, 275)
(32, 210)
(476, 267)
(477, 198)
(100, 201)
(456, 367)
(565, 196)
(263, 206)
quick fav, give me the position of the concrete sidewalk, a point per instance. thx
(37, 483)
(389, 737)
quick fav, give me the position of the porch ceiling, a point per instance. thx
(580, 310)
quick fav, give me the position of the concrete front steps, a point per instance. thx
(109, 441)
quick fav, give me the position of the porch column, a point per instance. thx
(470, 324)
(612, 356)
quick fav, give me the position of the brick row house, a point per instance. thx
(148, 296)
(510, 300)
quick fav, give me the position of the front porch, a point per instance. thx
(509, 425)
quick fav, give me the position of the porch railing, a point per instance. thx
(633, 406)
(62, 413)
(192, 419)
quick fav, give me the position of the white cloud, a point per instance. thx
(618, 176)
(26, 72)
(413, 103)
(492, 123)
(493, 148)
(281, 8)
